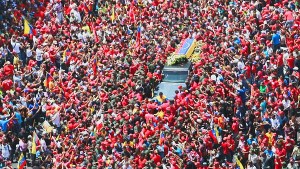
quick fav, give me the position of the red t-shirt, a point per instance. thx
(281, 152)
(291, 62)
(289, 15)
(280, 60)
(235, 127)
(8, 69)
(225, 147)
(248, 71)
(156, 158)
(278, 164)
(7, 84)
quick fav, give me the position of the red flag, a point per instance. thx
(138, 38)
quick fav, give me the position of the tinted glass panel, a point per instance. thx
(175, 76)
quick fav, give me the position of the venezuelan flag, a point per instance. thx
(238, 162)
(37, 140)
(48, 80)
(161, 138)
(138, 37)
(22, 162)
(95, 66)
(186, 47)
(212, 135)
(34, 140)
(66, 54)
(28, 29)
(216, 131)
(113, 14)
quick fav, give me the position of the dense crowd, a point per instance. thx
(79, 87)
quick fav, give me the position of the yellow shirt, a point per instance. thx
(160, 114)
(161, 99)
(269, 135)
(16, 60)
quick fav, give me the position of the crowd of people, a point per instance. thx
(77, 90)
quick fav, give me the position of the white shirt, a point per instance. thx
(85, 35)
(76, 14)
(5, 150)
(16, 46)
(240, 65)
(79, 35)
(286, 103)
(126, 166)
(275, 123)
(56, 119)
(38, 56)
(43, 144)
(58, 144)
(253, 158)
(29, 144)
(23, 101)
(249, 167)
(28, 52)
(285, 57)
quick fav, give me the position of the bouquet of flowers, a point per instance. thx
(175, 59)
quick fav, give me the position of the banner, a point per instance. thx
(47, 127)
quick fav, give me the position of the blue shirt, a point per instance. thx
(178, 151)
(242, 93)
(276, 39)
(237, 41)
(38, 154)
(266, 52)
(34, 110)
(250, 140)
(3, 125)
(263, 106)
(269, 152)
(19, 117)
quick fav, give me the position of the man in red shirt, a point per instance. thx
(225, 145)
(278, 162)
(7, 84)
(281, 152)
(280, 64)
(8, 69)
(156, 157)
(291, 62)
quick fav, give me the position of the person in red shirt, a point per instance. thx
(231, 143)
(289, 145)
(7, 84)
(291, 62)
(281, 151)
(156, 157)
(280, 64)
(248, 71)
(278, 162)
(8, 69)
(225, 145)
(235, 126)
